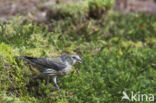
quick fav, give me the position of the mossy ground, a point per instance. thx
(119, 54)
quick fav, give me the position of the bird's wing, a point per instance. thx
(46, 63)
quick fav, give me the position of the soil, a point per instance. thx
(37, 9)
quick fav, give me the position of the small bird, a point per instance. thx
(53, 67)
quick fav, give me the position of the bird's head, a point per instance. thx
(72, 58)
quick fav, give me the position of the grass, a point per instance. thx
(118, 53)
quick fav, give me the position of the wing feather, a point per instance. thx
(46, 63)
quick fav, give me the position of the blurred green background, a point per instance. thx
(118, 50)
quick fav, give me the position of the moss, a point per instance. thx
(118, 53)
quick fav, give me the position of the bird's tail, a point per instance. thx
(24, 57)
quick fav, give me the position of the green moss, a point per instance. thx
(118, 53)
(6, 50)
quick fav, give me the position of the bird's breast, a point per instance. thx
(65, 71)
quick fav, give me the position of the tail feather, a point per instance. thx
(24, 57)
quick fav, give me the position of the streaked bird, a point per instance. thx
(53, 67)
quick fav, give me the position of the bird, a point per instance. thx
(53, 67)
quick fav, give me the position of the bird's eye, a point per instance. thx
(74, 57)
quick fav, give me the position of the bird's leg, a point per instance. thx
(48, 80)
(55, 82)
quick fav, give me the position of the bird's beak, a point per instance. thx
(80, 60)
